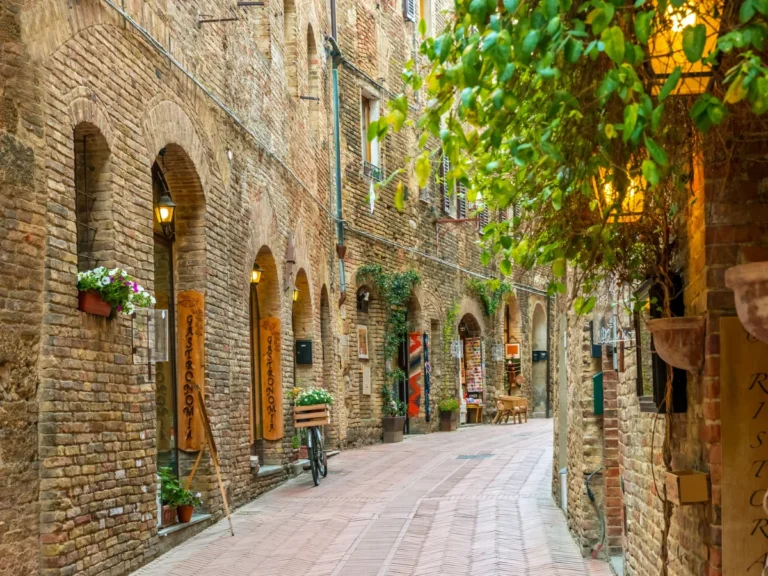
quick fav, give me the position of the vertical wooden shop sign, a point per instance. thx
(190, 370)
(271, 378)
(744, 421)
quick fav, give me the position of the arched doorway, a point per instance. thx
(301, 316)
(409, 360)
(179, 259)
(512, 346)
(472, 366)
(539, 369)
(264, 310)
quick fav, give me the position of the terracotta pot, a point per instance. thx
(303, 453)
(90, 301)
(393, 428)
(679, 341)
(749, 283)
(185, 513)
(449, 421)
(169, 515)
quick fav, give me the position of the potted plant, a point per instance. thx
(295, 444)
(393, 415)
(311, 407)
(169, 484)
(449, 414)
(102, 291)
(302, 441)
(185, 504)
(679, 341)
(749, 283)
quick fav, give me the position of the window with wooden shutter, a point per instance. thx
(482, 219)
(409, 10)
(461, 201)
(445, 167)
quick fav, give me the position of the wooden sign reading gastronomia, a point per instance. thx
(190, 341)
(271, 378)
(744, 421)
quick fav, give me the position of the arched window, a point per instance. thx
(95, 228)
(289, 46)
(313, 81)
(363, 299)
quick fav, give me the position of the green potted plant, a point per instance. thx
(449, 414)
(100, 291)
(393, 415)
(186, 503)
(168, 485)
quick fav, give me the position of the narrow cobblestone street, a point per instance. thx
(472, 502)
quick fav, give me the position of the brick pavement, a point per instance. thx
(412, 508)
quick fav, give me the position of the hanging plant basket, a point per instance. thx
(679, 341)
(91, 302)
(749, 283)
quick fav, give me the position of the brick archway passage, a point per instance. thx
(422, 507)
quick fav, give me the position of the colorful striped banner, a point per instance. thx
(414, 373)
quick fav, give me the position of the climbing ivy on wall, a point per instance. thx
(395, 289)
(491, 292)
(449, 326)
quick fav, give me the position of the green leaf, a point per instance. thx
(485, 258)
(670, 83)
(399, 197)
(736, 91)
(505, 266)
(506, 242)
(630, 120)
(643, 25)
(746, 11)
(694, 38)
(613, 38)
(531, 41)
(656, 151)
(600, 17)
(373, 130)
(557, 199)
(573, 49)
(610, 131)
(511, 5)
(656, 116)
(651, 172)
(558, 267)
(583, 306)
(423, 168)
(422, 27)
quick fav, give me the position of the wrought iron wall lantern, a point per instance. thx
(256, 274)
(666, 45)
(165, 210)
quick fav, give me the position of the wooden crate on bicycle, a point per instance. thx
(313, 415)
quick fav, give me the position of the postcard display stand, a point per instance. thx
(474, 368)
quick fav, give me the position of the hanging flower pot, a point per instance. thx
(749, 283)
(91, 302)
(679, 341)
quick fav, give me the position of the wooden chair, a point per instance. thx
(501, 412)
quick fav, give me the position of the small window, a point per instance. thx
(369, 108)
(409, 10)
(446, 192)
(651, 369)
(363, 299)
(461, 201)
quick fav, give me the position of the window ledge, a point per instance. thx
(196, 519)
(647, 405)
(269, 470)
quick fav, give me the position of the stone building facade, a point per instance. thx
(727, 225)
(104, 108)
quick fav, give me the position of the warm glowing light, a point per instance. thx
(631, 206)
(256, 274)
(164, 210)
(666, 45)
(295, 294)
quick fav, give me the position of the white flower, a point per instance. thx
(104, 281)
(114, 271)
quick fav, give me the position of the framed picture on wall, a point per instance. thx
(362, 342)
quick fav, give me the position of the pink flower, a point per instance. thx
(119, 308)
(135, 287)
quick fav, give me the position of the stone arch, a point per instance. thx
(539, 368)
(313, 80)
(167, 123)
(263, 233)
(511, 322)
(302, 321)
(83, 108)
(290, 52)
(470, 306)
(94, 217)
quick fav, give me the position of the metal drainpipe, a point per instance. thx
(336, 61)
(549, 354)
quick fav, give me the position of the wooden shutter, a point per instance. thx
(482, 219)
(461, 211)
(445, 167)
(409, 10)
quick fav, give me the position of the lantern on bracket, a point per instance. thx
(632, 204)
(666, 44)
(256, 274)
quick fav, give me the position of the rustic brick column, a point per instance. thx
(613, 501)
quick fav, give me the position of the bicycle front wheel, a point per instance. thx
(312, 450)
(322, 459)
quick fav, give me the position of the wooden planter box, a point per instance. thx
(449, 421)
(169, 516)
(393, 428)
(687, 487)
(90, 302)
(314, 415)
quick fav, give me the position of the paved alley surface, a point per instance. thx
(476, 501)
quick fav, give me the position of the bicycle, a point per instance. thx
(318, 459)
